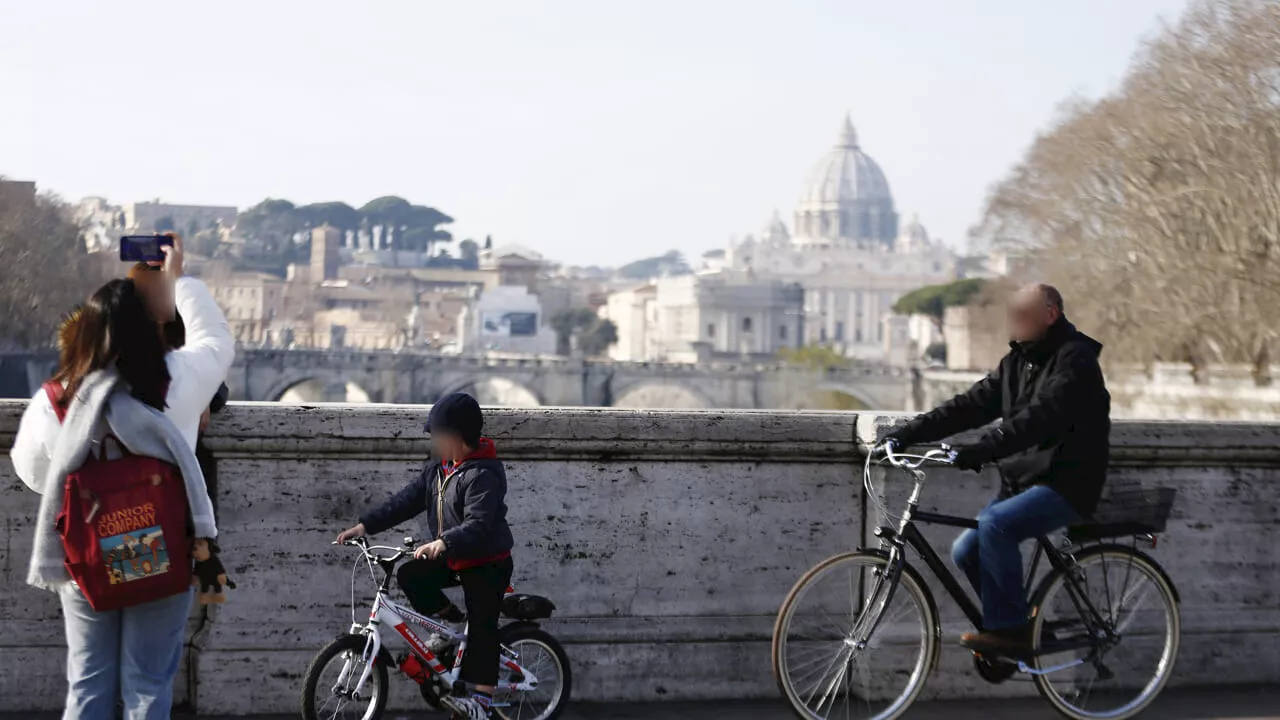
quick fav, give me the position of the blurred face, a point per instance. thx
(448, 446)
(1030, 315)
(157, 290)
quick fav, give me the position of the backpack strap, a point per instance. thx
(53, 390)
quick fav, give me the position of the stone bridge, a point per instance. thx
(390, 377)
(419, 378)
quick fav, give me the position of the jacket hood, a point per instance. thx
(486, 452)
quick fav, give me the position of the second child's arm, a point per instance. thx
(483, 500)
(402, 506)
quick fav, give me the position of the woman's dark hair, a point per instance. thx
(114, 330)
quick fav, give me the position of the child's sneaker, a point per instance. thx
(438, 644)
(471, 709)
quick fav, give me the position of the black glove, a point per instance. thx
(973, 457)
(899, 437)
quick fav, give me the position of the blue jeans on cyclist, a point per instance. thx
(991, 556)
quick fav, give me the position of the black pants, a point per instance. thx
(483, 588)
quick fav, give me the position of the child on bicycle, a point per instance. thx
(464, 497)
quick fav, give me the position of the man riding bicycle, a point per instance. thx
(1051, 448)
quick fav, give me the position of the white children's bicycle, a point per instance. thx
(348, 678)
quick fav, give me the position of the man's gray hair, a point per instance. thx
(1051, 296)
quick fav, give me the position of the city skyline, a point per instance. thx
(595, 136)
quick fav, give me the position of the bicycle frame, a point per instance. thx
(387, 613)
(907, 534)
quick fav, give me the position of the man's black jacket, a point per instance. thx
(1056, 417)
(475, 508)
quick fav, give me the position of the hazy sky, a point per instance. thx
(594, 131)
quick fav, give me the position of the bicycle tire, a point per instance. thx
(352, 643)
(910, 582)
(1168, 659)
(513, 634)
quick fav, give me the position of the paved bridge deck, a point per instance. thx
(1221, 703)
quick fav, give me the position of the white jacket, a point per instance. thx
(195, 371)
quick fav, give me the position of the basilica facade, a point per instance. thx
(851, 253)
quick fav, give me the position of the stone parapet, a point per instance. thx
(666, 539)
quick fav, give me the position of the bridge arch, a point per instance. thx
(304, 387)
(654, 394)
(497, 390)
(836, 396)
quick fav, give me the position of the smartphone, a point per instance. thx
(143, 248)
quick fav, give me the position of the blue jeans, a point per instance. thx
(990, 556)
(131, 654)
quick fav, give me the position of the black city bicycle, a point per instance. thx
(859, 633)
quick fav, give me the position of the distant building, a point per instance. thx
(634, 313)
(101, 224)
(848, 252)
(704, 316)
(977, 336)
(186, 219)
(515, 265)
(251, 301)
(17, 190)
(325, 260)
(505, 319)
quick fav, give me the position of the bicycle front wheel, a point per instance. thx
(848, 643)
(329, 692)
(1115, 666)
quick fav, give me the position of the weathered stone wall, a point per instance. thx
(667, 540)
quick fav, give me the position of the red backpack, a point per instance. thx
(124, 526)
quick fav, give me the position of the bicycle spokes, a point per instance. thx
(851, 644)
(337, 697)
(1111, 659)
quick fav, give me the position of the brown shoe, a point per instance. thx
(1009, 642)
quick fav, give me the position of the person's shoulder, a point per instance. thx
(1079, 345)
(41, 398)
(1080, 352)
(486, 466)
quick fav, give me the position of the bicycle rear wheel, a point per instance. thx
(848, 645)
(1118, 675)
(541, 654)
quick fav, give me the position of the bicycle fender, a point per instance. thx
(907, 569)
(1043, 586)
(515, 625)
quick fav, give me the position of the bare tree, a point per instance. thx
(1157, 209)
(44, 270)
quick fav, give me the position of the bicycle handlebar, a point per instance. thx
(363, 544)
(943, 454)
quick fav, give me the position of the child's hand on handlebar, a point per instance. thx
(351, 534)
(431, 550)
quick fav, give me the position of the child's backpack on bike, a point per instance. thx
(124, 526)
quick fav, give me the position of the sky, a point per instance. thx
(594, 132)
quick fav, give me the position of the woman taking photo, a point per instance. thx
(116, 375)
